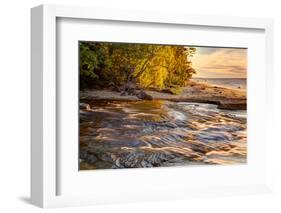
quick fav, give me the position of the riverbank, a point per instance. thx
(225, 98)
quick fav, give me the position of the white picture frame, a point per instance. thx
(44, 154)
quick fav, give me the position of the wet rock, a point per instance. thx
(143, 95)
(109, 157)
(115, 138)
(114, 87)
(124, 93)
(88, 157)
(86, 166)
(102, 165)
(132, 91)
(130, 88)
(233, 105)
(212, 136)
(128, 158)
(84, 106)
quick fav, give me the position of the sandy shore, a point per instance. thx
(225, 98)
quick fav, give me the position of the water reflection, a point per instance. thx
(160, 133)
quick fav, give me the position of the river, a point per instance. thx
(137, 134)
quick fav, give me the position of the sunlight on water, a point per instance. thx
(160, 133)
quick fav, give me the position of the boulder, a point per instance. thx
(130, 88)
(143, 95)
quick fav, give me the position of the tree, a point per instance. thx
(144, 64)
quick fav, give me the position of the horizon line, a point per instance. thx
(221, 77)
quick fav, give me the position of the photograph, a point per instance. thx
(161, 105)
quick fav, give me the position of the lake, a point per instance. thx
(233, 83)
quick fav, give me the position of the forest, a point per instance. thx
(104, 64)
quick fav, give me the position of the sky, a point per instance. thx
(215, 62)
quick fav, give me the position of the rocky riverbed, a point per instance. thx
(132, 133)
(198, 92)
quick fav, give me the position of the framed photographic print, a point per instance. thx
(130, 106)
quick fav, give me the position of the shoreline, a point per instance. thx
(197, 92)
(215, 82)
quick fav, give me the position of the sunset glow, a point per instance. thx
(160, 105)
(212, 62)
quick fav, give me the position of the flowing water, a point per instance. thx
(119, 134)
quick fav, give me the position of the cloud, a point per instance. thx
(206, 50)
(220, 62)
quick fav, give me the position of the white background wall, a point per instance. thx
(15, 104)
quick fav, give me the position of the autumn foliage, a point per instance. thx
(145, 65)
